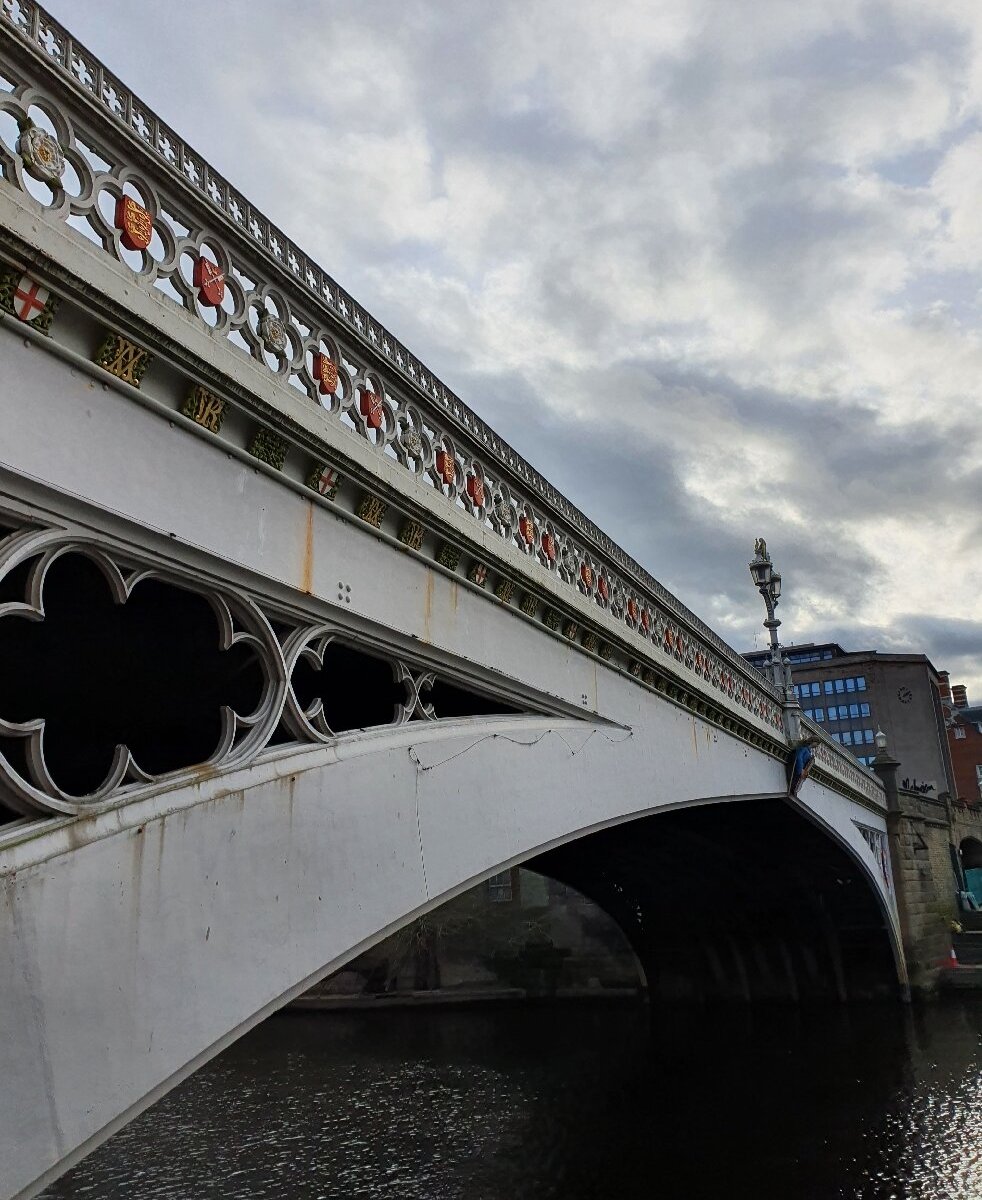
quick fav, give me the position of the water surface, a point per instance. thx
(523, 1104)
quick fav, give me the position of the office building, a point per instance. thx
(852, 694)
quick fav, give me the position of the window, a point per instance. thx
(959, 731)
(852, 683)
(866, 759)
(499, 888)
(864, 710)
(978, 776)
(819, 714)
(846, 737)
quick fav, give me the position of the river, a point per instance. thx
(583, 1103)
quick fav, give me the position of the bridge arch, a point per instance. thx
(221, 900)
(746, 899)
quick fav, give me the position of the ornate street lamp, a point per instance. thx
(768, 582)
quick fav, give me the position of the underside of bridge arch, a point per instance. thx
(744, 901)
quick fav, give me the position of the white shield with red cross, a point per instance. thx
(29, 298)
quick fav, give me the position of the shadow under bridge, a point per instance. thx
(744, 900)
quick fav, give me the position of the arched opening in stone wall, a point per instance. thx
(970, 849)
(743, 901)
(970, 853)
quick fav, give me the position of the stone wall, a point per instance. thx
(925, 834)
(920, 837)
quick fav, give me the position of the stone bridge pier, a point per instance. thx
(931, 839)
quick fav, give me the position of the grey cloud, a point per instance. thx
(726, 185)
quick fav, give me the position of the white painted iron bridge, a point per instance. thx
(296, 648)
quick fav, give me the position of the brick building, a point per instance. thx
(964, 722)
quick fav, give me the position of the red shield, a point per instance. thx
(371, 409)
(645, 621)
(446, 466)
(549, 546)
(475, 489)
(326, 374)
(603, 589)
(526, 530)
(632, 609)
(586, 574)
(29, 299)
(209, 279)
(135, 223)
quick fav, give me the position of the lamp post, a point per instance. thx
(768, 582)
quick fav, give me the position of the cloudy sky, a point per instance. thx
(712, 266)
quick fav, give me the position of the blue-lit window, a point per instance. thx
(853, 710)
(868, 736)
(819, 714)
(864, 710)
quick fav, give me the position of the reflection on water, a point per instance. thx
(518, 1104)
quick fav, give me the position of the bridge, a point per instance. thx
(296, 648)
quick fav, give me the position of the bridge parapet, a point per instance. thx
(839, 769)
(100, 194)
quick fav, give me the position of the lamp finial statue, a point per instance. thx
(760, 549)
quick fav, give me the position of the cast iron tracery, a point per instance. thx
(119, 674)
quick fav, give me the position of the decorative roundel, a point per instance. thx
(446, 466)
(209, 279)
(475, 489)
(371, 408)
(41, 154)
(325, 374)
(273, 333)
(549, 546)
(411, 441)
(905, 695)
(502, 512)
(136, 226)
